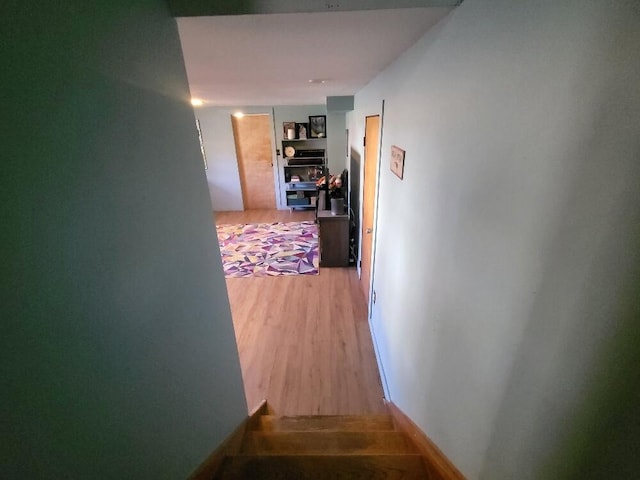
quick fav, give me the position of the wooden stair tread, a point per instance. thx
(353, 423)
(302, 467)
(322, 442)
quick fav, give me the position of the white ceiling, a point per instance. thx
(269, 59)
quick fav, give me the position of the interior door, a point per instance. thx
(372, 143)
(252, 137)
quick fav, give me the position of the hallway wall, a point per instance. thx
(506, 259)
(118, 353)
(222, 176)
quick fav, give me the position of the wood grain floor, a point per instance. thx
(304, 340)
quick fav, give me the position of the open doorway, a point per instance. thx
(303, 340)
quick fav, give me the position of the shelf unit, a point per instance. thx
(300, 183)
(302, 170)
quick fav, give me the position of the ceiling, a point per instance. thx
(261, 59)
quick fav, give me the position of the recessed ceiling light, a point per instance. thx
(197, 102)
(317, 80)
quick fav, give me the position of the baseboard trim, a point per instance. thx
(230, 446)
(437, 462)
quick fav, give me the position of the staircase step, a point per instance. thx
(371, 467)
(331, 443)
(347, 423)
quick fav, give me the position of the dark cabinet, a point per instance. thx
(334, 239)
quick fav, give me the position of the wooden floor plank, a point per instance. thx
(326, 443)
(304, 340)
(344, 423)
(372, 467)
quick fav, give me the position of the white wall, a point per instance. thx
(222, 173)
(506, 258)
(118, 352)
(223, 177)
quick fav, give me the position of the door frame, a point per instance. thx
(375, 212)
(374, 234)
(268, 111)
(278, 172)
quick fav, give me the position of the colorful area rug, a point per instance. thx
(269, 249)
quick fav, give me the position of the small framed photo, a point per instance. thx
(317, 126)
(397, 161)
(303, 130)
(288, 127)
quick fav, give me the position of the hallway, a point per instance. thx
(304, 340)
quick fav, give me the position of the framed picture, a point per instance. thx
(286, 127)
(302, 130)
(397, 161)
(317, 126)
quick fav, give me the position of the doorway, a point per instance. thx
(252, 138)
(371, 148)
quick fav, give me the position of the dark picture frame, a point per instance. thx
(317, 126)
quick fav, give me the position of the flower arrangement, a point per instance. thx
(335, 185)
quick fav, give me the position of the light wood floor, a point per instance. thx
(304, 340)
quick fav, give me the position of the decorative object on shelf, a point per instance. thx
(287, 127)
(303, 128)
(337, 206)
(314, 173)
(335, 184)
(397, 161)
(317, 126)
(334, 191)
(289, 151)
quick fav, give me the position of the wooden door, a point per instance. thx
(372, 144)
(252, 136)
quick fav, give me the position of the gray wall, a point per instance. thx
(223, 177)
(506, 263)
(337, 108)
(118, 353)
(336, 142)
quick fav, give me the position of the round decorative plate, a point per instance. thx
(289, 151)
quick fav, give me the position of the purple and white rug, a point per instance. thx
(269, 249)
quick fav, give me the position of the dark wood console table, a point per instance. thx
(334, 239)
